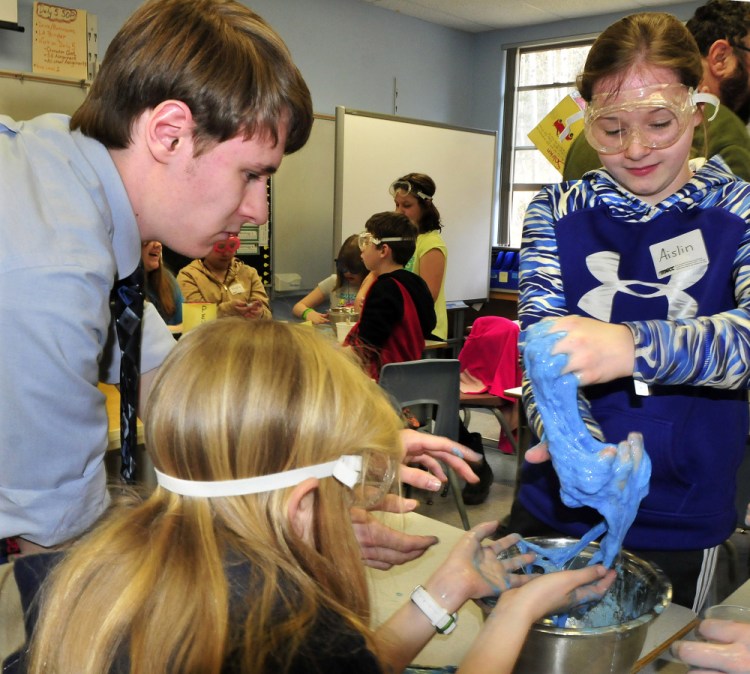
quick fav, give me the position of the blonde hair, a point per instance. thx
(234, 399)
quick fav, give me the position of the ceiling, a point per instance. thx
(476, 16)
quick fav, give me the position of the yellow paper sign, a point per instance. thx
(546, 134)
(195, 313)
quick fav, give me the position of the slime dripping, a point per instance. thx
(612, 479)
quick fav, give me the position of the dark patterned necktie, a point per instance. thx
(126, 302)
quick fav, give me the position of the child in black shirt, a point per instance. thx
(398, 312)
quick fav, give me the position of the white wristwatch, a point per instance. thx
(443, 621)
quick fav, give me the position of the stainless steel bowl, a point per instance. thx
(608, 638)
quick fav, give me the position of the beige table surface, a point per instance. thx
(392, 588)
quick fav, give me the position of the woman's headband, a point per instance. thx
(407, 187)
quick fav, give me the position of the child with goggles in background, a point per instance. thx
(221, 279)
(245, 549)
(644, 267)
(340, 289)
(398, 313)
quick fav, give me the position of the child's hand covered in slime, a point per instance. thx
(611, 479)
(474, 569)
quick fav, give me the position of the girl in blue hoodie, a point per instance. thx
(644, 266)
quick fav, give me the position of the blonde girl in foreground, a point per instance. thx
(243, 559)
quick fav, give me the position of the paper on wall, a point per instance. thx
(546, 134)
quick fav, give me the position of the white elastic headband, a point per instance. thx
(346, 469)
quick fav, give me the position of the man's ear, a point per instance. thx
(300, 509)
(721, 59)
(169, 130)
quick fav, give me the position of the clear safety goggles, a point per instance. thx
(366, 238)
(656, 116)
(369, 479)
(405, 187)
(230, 245)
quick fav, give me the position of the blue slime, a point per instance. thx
(611, 479)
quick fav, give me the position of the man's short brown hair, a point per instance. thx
(217, 56)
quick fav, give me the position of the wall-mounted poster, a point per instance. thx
(59, 45)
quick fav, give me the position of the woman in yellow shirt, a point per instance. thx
(413, 196)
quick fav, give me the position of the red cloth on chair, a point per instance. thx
(489, 357)
(490, 362)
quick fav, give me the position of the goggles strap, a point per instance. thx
(704, 97)
(568, 123)
(398, 186)
(346, 469)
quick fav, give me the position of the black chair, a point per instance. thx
(430, 389)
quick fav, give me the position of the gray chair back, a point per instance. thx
(433, 381)
(431, 384)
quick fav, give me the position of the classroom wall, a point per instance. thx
(350, 52)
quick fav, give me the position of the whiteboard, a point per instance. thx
(23, 96)
(302, 208)
(374, 150)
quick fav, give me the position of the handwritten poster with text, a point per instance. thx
(59, 42)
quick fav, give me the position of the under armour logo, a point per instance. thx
(603, 266)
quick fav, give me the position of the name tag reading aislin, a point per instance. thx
(679, 254)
